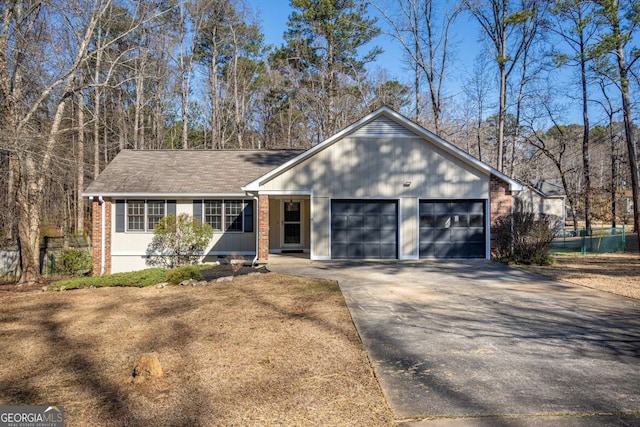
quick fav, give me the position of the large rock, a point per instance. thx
(148, 367)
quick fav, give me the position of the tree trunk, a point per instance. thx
(585, 135)
(628, 121)
(96, 115)
(502, 113)
(28, 201)
(80, 159)
(614, 177)
(631, 145)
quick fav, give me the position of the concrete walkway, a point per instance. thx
(455, 339)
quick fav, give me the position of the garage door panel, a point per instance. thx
(459, 234)
(442, 234)
(441, 208)
(389, 222)
(339, 221)
(372, 251)
(373, 221)
(476, 235)
(339, 235)
(476, 207)
(452, 229)
(388, 251)
(442, 250)
(372, 208)
(364, 229)
(475, 250)
(355, 250)
(388, 235)
(355, 235)
(427, 250)
(355, 220)
(338, 250)
(388, 208)
(373, 236)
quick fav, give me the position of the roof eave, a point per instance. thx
(162, 195)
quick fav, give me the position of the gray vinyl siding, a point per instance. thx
(379, 168)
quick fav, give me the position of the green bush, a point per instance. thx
(178, 240)
(74, 261)
(179, 274)
(137, 279)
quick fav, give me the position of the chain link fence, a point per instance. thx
(595, 241)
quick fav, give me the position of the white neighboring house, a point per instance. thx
(384, 187)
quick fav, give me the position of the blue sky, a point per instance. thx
(273, 16)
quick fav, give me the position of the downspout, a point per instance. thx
(102, 234)
(257, 220)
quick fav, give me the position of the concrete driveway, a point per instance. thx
(477, 339)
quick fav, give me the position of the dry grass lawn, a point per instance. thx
(615, 273)
(260, 350)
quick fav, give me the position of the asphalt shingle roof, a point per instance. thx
(186, 171)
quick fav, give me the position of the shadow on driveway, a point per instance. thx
(477, 338)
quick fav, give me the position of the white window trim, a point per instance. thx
(146, 229)
(223, 220)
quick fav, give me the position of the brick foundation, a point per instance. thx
(263, 228)
(96, 236)
(501, 201)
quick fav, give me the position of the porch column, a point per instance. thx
(263, 227)
(501, 201)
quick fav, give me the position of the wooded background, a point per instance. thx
(81, 80)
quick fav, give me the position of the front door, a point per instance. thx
(292, 224)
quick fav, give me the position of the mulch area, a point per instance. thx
(225, 270)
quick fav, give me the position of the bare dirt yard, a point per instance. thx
(615, 273)
(266, 349)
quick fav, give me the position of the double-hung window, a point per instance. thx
(135, 215)
(155, 212)
(213, 214)
(233, 215)
(141, 215)
(226, 215)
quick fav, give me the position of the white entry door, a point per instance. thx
(291, 224)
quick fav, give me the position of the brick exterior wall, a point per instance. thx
(96, 236)
(501, 202)
(263, 228)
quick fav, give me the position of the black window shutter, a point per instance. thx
(248, 216)
(171, 207)
(120, 216)
(197, 210)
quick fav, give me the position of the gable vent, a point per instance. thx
(383, 127)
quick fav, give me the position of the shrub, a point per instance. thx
(178, 241)
(179, 274)
(525, 237)
(74, 261)
(137, 279)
